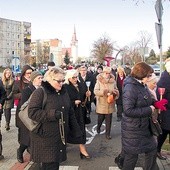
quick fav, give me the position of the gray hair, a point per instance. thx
(70, 74)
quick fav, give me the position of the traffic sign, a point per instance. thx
(15, 64)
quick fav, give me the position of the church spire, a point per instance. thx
(74, 38)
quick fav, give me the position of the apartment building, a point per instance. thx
(43, 51)
(15, 39)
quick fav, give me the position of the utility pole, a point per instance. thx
(159, 28)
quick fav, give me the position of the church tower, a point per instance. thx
(74, 47)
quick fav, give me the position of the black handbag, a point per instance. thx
(155, 127)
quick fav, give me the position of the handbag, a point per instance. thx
(155, 127)
(110, 98)
(31, 125)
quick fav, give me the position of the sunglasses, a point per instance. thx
(59, 81)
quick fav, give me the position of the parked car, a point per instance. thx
(156, 69)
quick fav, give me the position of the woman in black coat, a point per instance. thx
(24, 138)
(8, 83)
(74, 91)
(48, 146)
(19, 85)
(138, 106)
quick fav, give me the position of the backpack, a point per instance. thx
(30, 124)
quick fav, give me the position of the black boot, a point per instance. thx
(7, 126)
(20, 156)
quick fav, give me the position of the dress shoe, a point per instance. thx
(119, 161)
(108, 137)
(160, 156)
(20, 156)
(82, 156)
(1, 157)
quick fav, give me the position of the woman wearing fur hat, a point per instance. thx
(105, 86)
(18, 88)
(74, 90)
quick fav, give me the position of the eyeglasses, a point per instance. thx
(59, 81)
(75, 77)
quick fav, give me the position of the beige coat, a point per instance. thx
(102, 84)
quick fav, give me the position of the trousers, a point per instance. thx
(108, 121)
(130, 161)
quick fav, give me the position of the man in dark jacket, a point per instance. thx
(2, 100)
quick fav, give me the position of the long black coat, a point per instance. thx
(48, 147)
(24, 133)
(164, 82)
(136, 135)
(74, 94)
(18, 87)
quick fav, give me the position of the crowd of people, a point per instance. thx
(132, 93)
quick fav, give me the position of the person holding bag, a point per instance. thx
(48, 146)
(106, 93)
(35, 82)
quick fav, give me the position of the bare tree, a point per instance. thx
(101, 48)
(145, 40)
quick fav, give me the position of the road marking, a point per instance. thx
(93, 133)
(116, 168)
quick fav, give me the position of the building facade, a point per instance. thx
(15, 39)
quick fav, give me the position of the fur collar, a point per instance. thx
(51, 89)
(102, 79)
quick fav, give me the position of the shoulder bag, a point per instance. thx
(31, 125)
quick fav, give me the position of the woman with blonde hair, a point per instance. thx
(105, 86)
(8, 83)
(48, 146)
(120, 76)
(76, 96)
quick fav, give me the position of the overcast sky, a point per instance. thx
(121, 20)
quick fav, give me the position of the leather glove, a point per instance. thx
(58, 114)
(161, 104)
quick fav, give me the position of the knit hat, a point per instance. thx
(34, 74)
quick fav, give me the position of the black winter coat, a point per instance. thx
(74, 94)
(136, 135)
(48, 147)
(164, 82)
(24, 133)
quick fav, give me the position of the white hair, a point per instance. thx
(70, 74)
